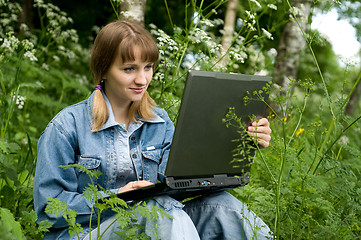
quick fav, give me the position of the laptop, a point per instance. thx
(200, 159)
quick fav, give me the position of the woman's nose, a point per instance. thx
(141, 78)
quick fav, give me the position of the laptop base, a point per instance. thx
(180, 189)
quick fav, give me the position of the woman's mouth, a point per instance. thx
(137, 90)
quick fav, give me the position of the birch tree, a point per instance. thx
(291, 44)
(229, 23)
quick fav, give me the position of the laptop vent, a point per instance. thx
(182, 184)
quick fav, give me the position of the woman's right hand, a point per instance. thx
(134, 185)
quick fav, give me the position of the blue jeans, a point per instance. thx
(214, 216)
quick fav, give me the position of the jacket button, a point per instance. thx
(134, 155)
(132, 138)
(140, 177)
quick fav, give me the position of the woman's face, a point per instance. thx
(126, 82)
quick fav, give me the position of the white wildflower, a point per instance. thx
(45, 66)
(56, 58)
(11, 43)
(239, 56)
(257, 3)
(251, 27)
(6, 44)
(267, 34)
(30, 55)
(20, 101)
(250, 15)
(24, 27)
(27, 44)
(272, 6)
(82, 79)
(73, 35)
(95, 29)
(344, 140)
(272, 52)
(207, 22)
(38, 3)
(159, 76)
(263, 72)
(218, 22)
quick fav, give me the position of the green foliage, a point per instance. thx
(246, 145)
(41, 72)
(55, 206)
(126, 215)
(306, 185)
(8, 223)
(197, 45)
(304, 176)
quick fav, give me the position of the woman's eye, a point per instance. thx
(149, 66)
(128, 69)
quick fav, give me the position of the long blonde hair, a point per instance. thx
(118, 39)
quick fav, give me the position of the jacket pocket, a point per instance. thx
(153, 154)
(151, 157)
(89, 162)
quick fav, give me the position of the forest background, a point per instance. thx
(306, 185)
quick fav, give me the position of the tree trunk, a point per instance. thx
(132, 10)
(26, 16)
(351, 106)
(229, 22)
(291, 44)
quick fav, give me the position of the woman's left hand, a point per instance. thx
(262, 131)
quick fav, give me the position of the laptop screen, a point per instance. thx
(202, 143)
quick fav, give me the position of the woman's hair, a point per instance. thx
(119, 39)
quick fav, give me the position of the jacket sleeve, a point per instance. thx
(166, 148)
(57, 147)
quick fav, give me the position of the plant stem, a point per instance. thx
(334, 142)
(169, 16)
(352, 90)
(314, 58)
(10, 112)
(115, 8)
(299, 120)
(321, 149)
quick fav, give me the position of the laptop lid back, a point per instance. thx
(202, 144)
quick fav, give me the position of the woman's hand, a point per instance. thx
(261, 130)
(134, 185)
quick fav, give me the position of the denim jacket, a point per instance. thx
(68, 139)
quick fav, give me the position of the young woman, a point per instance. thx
(110, 131)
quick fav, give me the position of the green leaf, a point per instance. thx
(6, 147)
(9, 222)
(29, 216)
(11, 173)
(44, 226)
(55, 206)
(3, 146)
